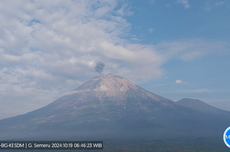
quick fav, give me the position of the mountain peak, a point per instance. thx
(111, 106)
(111, 85)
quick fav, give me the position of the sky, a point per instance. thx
(174, 48)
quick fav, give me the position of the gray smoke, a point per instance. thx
(99, 67)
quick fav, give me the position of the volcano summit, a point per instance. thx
(113, 107)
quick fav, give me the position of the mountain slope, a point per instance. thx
(112, 106)
(200, 106)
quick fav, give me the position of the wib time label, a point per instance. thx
(51, 145)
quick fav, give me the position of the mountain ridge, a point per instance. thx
(113, 106)
(200, 106)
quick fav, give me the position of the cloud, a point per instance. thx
(201, 90)
(168, 5)
(151, 1)
(48, 46)
(151, 30)
(190, 49)
(185, 3)
(209, 6)
(124, 10)
(178, 81)
(51, 47)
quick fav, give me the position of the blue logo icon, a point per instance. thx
(226, 137)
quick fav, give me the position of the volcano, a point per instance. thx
(113, 107)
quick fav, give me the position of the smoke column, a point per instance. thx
(99, 67)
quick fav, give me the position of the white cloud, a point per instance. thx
(201, 90)
(189, 49)
(151, 30)
(209, 6)
(124, 10)
(48, 46)
(51, 47)
(185, 3)
(178, 81)
(152, 1)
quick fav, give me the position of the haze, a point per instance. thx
(174, 48)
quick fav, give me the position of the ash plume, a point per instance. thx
(99, 67)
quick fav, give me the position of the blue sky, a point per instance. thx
(173, 20)
(204, 77)
(174, 48)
